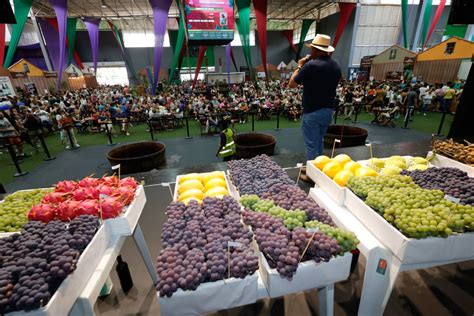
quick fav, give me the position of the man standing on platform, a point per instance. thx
(319, 74)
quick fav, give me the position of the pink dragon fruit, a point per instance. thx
(82, 193)
(111, 207)
(106, 189)
(128, 182)
(66, 211)
(89, 182)
(88, 207)
(66, 186)
(125, 194)
(112, 181)
(54, 198)
(42, 212)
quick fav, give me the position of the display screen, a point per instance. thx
(210, 20)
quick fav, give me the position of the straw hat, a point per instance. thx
(321, 42)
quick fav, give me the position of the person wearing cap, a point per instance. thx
(319, 74)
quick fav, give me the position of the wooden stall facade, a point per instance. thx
(441, 62)
(23, 73)
(389, 61)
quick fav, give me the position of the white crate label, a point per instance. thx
(312, 230)
(234, 244)
(299, 165)
(382, 266)
(337, 140)
(115, 167)
(452, 198)
(103, 196)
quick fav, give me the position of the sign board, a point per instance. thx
(393, 76)
(50, 74)
(409, 61)
(18, 74)
(31, 88)
(209, 22)
(366, 62)
(6, 87)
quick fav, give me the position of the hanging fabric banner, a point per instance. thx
(92, 26)
(228, 51)
(60, 8)
(71, 37)
(2, 42)
(179, 51)
(202, 52)
(116, 32)
(404, 23)
(289, 36)
(426, 20)
(304, 31)
(50, 29)
(440, 9)
(260, 7)
(22, 7)
(160, 17)
(243, 25)
(345, 12)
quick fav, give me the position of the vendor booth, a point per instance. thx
(442, 62)
(389, 61)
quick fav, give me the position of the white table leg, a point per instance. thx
(145, 253)
(378, 284)
(326, 300)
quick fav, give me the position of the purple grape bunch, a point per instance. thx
(291, 197)
(451, 181)
(319, 246)
(196, 241)
(34, 263)
(256, 175)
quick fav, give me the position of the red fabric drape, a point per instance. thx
(289, 35)
(202, 51)
(54, 23)
(440, 9)
(261, 15)
(2, 42)
(345, 11)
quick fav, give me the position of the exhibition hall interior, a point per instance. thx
(237, 157)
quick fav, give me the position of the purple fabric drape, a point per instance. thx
(92, 25)
(51, 38)
(228, 50)
(60, 7)
(160, 17)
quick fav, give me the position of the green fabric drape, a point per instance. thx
(426, 20)
(22, 7)
(243, 26)
(71, 37)
(179, 44)
(404, 22)
(304, 31)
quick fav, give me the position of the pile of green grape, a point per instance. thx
(263, 206)
(15, 207)
(416, 212)
(291, 219)
(249, 200)
(347, 240)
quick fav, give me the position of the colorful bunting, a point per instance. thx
(22, 7)
(426, 20)
(304, 31)
(202, 52)
(438, 13)
(60, 7)
(92, 26)
(289, 36)
(71, 37)
(160, 17)
(404, 23)
(261, 14)
(345, 12)
(243, 25)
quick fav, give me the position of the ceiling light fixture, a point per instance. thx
(103, 5)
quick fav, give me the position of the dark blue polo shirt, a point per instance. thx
(319, 78)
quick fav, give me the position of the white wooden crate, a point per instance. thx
(334, 190)
(410, 250)
(309, 275)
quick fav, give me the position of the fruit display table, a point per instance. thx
(388, 251)
(65, 296)
(127, 224)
